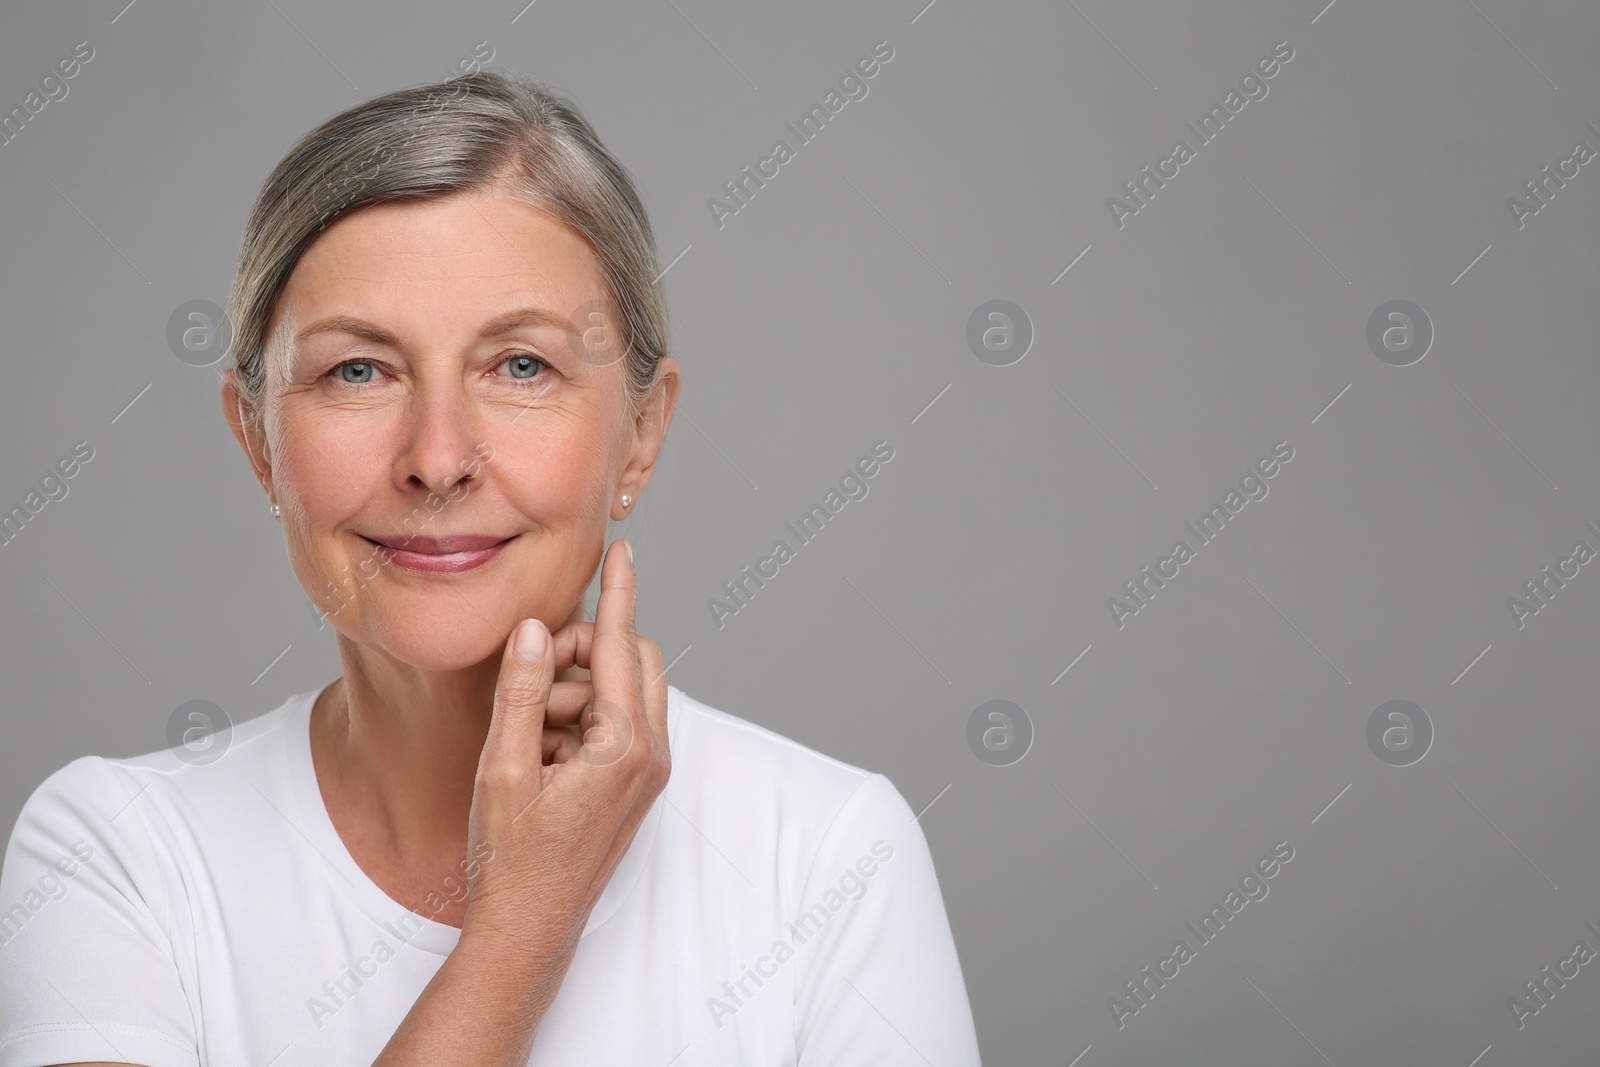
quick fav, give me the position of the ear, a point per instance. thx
(649, 432)
(246, 423)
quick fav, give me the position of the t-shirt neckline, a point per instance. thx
(415, 928)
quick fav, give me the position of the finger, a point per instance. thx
(573, 674)
(614, 654)
(516, 723)
(563, 733)
(655, 688)
(560, 743)
(656, 713)
(572, 645)
(566, 703)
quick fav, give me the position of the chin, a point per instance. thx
(436, 635)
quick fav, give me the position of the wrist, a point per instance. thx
(516, 950)
(511, 980)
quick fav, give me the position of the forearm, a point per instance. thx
(482, 1007)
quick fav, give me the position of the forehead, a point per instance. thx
(447, 263)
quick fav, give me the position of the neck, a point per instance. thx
(396, 752)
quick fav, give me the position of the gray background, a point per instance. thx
(1226, 316)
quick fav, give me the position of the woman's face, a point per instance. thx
(446, 424)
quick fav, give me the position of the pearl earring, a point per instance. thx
(276, 510)
(627, 500)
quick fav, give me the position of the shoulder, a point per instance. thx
(750, 781)
(101, 804)
(729, 754)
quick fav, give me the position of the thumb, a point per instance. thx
(516, 724)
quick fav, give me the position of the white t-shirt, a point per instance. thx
(776, 907)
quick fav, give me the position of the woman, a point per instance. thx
(485, 842)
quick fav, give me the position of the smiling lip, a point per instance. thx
(442, 555)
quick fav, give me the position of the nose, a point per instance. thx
(437, 440)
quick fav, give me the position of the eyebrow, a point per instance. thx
(495, 327)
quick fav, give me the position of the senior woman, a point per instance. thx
(499, 836)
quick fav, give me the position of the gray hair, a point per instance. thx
(434, 141)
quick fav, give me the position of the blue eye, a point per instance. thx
(356, 372)
(523, 368)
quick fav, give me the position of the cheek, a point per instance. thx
(557, 479)
(325, 471)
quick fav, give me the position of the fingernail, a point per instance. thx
(629, 547)
(530, 641)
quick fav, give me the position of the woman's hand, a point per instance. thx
(569, 770)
